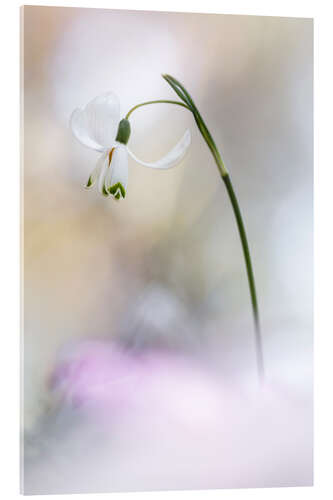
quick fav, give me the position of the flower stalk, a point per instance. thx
(249, 271)
(188, 103)
(159, 101)
(187, 99)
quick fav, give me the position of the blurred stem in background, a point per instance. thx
(189, 104)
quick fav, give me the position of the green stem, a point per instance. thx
(249, 270)
(189, 104)
(154, 102)
(187, 99)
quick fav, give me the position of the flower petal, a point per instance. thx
(96, 172)
(103, 172)
(79, 126)
(116, 178)
(96, 125)
(103, 116)
(171, 159)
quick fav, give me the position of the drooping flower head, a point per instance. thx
(98, 126)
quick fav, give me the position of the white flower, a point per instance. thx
(97, 126)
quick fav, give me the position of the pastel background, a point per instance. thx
(138, 350)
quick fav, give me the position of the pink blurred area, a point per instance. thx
(161, 420)
(104, 376)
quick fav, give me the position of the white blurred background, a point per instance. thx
(160, 276)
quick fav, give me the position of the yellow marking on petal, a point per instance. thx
(110, 155)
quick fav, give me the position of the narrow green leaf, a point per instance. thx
(178, 92)
(176, 84)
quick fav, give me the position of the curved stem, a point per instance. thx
(246, 251)
(189, 104)
(155, 102)
(187, 99)
(249, 270)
